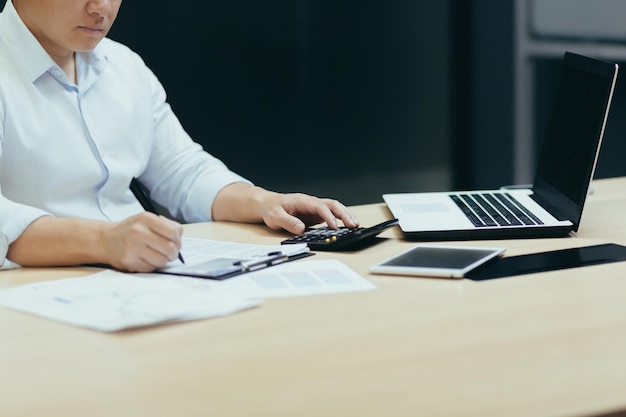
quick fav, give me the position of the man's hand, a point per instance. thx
(293, 212)
(142, 243)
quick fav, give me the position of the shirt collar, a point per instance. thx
(34, 58)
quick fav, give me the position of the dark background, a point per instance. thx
(341, 98)
(350, 99)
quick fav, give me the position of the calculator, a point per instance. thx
(344, 238)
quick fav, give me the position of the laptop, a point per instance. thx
(553, 206)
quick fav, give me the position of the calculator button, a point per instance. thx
(343, 238)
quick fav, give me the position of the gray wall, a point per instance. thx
(491, 98)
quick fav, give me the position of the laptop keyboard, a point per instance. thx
(494, 209)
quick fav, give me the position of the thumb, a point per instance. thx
(292, 224)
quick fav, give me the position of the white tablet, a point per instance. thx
(437, 261)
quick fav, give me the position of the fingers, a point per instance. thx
(336, 210)
(144, 242)
(293, 212)
(157, 250)
(291, 224)
(167, 229)
(326, 210)
(161, 240)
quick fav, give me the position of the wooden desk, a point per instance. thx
(551, 344)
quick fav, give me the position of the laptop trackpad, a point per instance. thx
(424, 208)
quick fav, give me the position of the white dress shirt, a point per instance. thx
(71, 150)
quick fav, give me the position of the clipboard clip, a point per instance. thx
(261, 261)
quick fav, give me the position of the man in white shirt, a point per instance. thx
(80, 116)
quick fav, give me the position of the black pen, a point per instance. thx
(146, 203)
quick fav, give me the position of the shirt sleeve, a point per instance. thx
(180, 175)
(14, 219)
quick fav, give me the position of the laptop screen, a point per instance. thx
(571, 146)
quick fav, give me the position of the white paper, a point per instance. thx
(197, 251)
(298, 278)
(110, 301)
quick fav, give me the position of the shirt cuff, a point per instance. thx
(199, 203)
(20, 218)
(8, 265)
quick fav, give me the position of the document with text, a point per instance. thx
(111, 301)
(299, 278)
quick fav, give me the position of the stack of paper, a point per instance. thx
(110, 301)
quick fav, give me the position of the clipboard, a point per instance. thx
(224, 268)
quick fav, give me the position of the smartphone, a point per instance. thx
(442, 261)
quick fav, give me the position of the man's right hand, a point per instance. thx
(142, 243)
